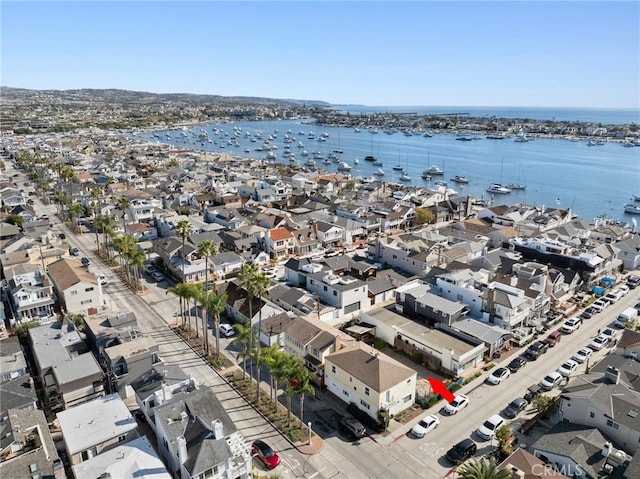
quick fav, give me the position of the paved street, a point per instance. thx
(391, 456)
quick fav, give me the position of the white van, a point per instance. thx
(624, 316)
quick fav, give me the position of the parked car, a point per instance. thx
(551, 380)
(265, 454)
(498, 375)
(462, 451)
(490, 426)
(582, 355)
(353, 427)
(599, 342)
(534, 351)
(568, 367)
(633, 282)
(460, 401)
(515, 407)
(157, 276)
(226, 330)
(610, 333)
(533, 392)
(571, 325)
(150, 269)
(516, 363)
(624, 289)
(599, 305)
(588, 313)
(425, 425)
(74, 251)
(553, 338)
(102, 279)
(85, 261)
(62, 236)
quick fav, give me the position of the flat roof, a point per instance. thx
(433, 337)
(95, 422)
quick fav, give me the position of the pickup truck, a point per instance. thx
(553, 338)
(534, 351)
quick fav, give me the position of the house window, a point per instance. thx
(364, 404)
(592, 414)
(335, 293)
(122, 438)
(74, 293)
(366, 391)
(333, 369)
(89, 289)
(86, 301)
(345, 392)
(325, 288)
(612, 424)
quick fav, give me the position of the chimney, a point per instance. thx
(182, 449)
(612, 374)
(606, 449)
(166, 392)
(58, 470)
(517, 473)
(218, 429)
(337, 344)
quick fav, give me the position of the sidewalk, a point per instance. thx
(314, 447)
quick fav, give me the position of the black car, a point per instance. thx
(535, 350)
(516, 363)
(533, 392)
(633, 281)
(588, 313)
(353, 427)
(462, 451)
(62, 236)
(85, 261)
(515, 407)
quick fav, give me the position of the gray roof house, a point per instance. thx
(196, 437)
(96, 426)
(27, 447)
(65, 368)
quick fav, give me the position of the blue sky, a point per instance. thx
(575, 54)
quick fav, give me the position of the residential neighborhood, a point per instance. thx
(121, 258)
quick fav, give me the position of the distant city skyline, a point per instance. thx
(538, 54)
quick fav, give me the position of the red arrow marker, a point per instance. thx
(440, 388)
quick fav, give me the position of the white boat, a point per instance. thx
(377, 163)
(379, 172)
(434, 170)
(460, 179)
(405, 177)
(310, 162)
(344, 166)
(397, 167)
(635, 197)
(632, 209)
(356, 161)
(498, 189)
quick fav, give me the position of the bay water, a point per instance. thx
(591, 180)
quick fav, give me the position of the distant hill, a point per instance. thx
(10, 94)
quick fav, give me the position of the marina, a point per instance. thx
(558, 171)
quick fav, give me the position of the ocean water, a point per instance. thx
(592, 181)
(618, 116)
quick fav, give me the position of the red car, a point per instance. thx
(267, 456)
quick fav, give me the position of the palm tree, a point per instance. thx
(482, 469)
(75, 210)
(246, 278)
(123, 203)
(303, 386)
(61, 199)
(136, 261)
(181, 291)
(281, 370)
(95, 207)
(183, 228)
(194, 292)
(207, 248)
(270, 359)
(244, 339)
(260, 289)
(215, 304)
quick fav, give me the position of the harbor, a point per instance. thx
(591, 180)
